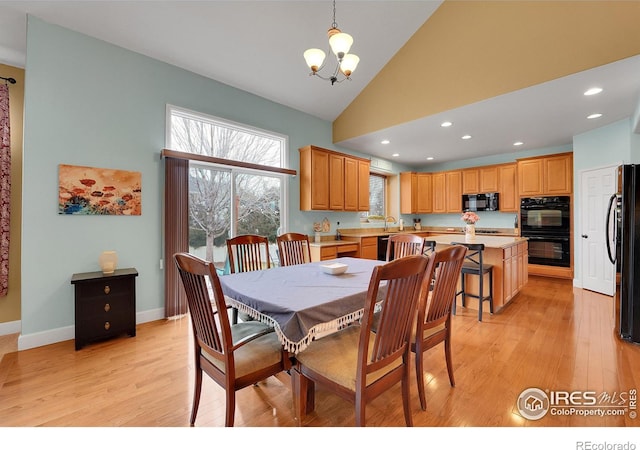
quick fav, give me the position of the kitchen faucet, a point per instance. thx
(388, 218)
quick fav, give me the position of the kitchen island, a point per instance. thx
(509, 257)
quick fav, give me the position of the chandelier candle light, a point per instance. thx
(340, 45)
(470, 218)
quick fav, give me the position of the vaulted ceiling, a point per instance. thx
(500, 71)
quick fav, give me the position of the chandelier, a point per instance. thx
(340, 44)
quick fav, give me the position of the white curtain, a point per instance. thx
(5, 188)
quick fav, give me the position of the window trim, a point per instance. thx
(166, 153)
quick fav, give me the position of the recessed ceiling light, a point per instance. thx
(518, 143)
(429, 158)
(466, 136)
(396, 154)
(385, 142)
(594, 116)
(593, 91)
(446, 124)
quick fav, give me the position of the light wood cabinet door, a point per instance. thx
(530, 177)
(314, 179)
(416, 193)
(439, 192)
(369, 248)
(558, 174)
(424, 201)
(489, 179)
(453, 194)
(363, 185)
(336, 181)
(547, 175)
(470, 181)
(351, 185)
(408, 192)
(508, 201)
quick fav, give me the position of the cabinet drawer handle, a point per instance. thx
(107, 325)
(107, 307)
(107, 289)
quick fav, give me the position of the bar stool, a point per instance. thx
(474, 265)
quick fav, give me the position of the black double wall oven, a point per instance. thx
(545, 221)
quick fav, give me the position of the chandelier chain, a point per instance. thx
(334, 24)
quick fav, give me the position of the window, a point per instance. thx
(377, 202)
(226, 200)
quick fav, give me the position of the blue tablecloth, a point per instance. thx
(302, 301)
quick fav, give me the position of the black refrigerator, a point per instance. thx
(623, 245)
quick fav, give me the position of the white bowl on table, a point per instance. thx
(334, 268)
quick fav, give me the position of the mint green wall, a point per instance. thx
(94, 104)
(608, 146)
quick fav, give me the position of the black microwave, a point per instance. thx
(480, 202)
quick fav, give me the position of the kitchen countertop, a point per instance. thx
(488, 241)
(369, 232)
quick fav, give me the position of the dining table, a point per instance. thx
(303, 302)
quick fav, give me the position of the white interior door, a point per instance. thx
(598, 274)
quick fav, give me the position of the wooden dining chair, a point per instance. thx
(234, 356)
(248, 252)
(401, 245)
(293, 248)
(359, 365)
(434, 320)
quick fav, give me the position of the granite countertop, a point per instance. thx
(488, 241)
(368, 232)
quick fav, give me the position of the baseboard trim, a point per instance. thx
(39, 339)
(10, 327)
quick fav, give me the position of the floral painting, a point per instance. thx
(95, 191)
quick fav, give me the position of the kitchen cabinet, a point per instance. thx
(439, 192)
(333, 250)
(453, 191)
(515, 273)
(364, 167)
(547, 175)
(471, 181)
(480, 180)
(489, 179)
(447, 191)
(334, 181)
(416, 195)
(508, 201)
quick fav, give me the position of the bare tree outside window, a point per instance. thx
(226, 201)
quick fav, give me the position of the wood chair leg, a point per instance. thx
(406, 396)
(197, 388)
(231, 407)
(360, 411)
(447, 355)
(419, 363)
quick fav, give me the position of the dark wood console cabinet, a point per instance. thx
(105, 305)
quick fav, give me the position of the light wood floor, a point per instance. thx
(552, 336)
